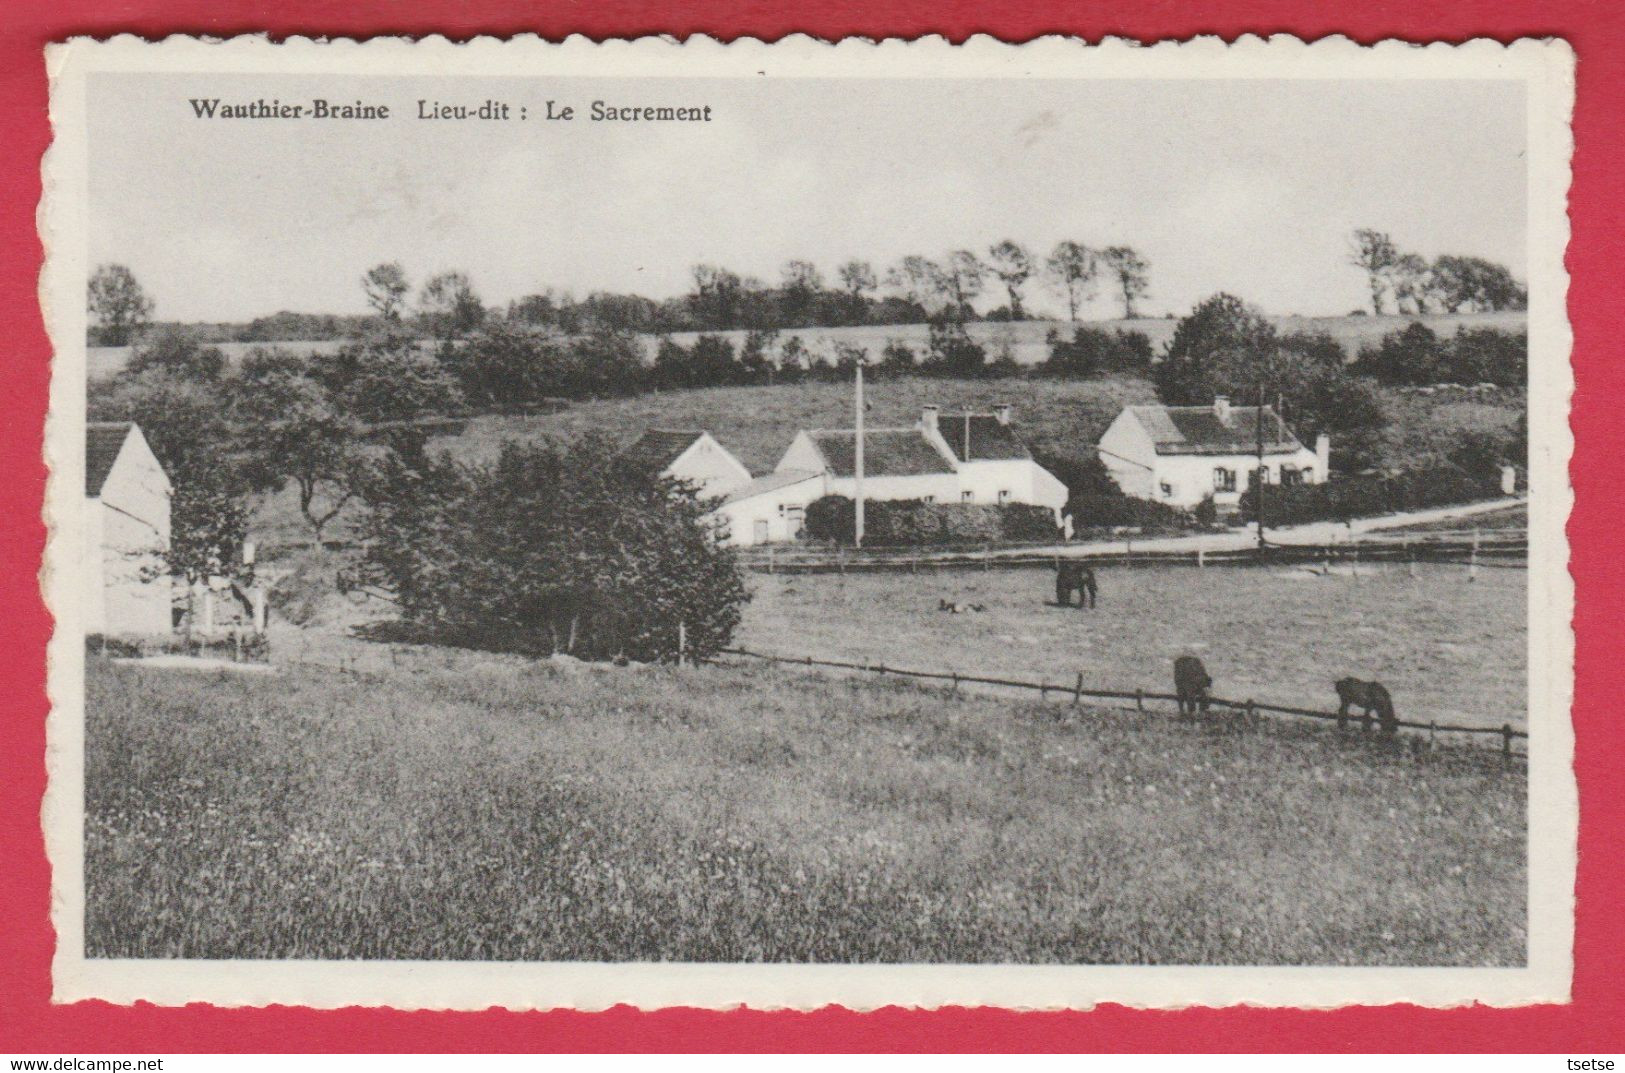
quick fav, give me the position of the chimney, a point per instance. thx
(928, 418)
(1323, 456)
(1221, 408)
(1001, 413)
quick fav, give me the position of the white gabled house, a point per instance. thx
(692, 455)
(127, 533)
(771, 509)
(1181, 455)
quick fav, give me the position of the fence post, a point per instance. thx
(770, 558)
(882, 668)
(987, 557)
(1128, 551)
(1355, 568)
(1252, 712)
(956, 683)
(1410, 559)
(1077, 690)
(1201, 558)
(682, 641)
(1506, 741)
(1433, 734)
(1043, 691)
(1472, 561)
(1139, 700)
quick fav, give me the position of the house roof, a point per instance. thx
(659, 447)
(973, 437)
(887, 452)
(103, 442)
(1197, 430)
(771, 482)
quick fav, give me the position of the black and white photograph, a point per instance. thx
(684, 524)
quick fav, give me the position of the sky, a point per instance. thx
(1250, 187)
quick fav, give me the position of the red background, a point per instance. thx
(29, 1023)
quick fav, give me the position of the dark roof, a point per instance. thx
(979, 436)
(887, 452)
(1197, 430)
(103, 441)
(659, 447)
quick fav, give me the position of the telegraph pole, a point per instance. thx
(1260, 475)
(857, 459)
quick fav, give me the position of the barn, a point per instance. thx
(126, 533)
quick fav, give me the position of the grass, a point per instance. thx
(1447, 649)
(1509, 518)
(472, 807)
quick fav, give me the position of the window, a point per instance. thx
(761, 530)
(794, 518)
(967, 496)
(1167, 490)
(928, 499)
(1004, 496)
(1224, 479)
(1290, 475)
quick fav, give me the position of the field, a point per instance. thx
(471, 807)
(1448, 649)
(1023, 340)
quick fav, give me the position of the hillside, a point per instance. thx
(1024, 340)
(757, 423)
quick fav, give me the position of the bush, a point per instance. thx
(248, 647)
(915, 522)
(1114, 510)
(1364, 496)
(552, 550)
(1091, 351)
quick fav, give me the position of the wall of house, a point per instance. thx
(710, 466)
(802, 455)
(775, 508)
(1190, 478)
(1022, 478)
(938, 487)
(132, 516)
(1130, 456)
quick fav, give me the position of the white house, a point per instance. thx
(993, 465)
(770, 509)
(690, 455)
(1180, 455)
(126, 532)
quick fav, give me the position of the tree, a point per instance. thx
(395, 381)
(1374, 253)
(575, 552)
(918, 279)
(1071, 269)
(857, 278)
(716, 297)
(178, 352)
(448, 306)
(1130, 271)
(951, 351)
(118, 305)
(801, 283)
(386, 288)
(1010, 261)
(1212, 347)
(292, 431)
(1457, 283)
(1408, 279)
(960, 281)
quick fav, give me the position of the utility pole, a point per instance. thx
(857, 459)
(1260, 474)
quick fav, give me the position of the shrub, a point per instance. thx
(551, 550)
(1091, 351)
(1347, 498)
(915, 522)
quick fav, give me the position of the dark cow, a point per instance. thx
(1075, 577)
(1371, 696)
(1191, 683)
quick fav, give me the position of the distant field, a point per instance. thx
(479, 808)
(1023, 340)
(1447, 649)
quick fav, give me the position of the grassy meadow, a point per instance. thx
(1448, 649)
(462, 806)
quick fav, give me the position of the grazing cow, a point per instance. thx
(1191, 683)
(953, 608)
(1075, 577)
(1371, 696)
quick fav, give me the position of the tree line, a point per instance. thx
(1449, 283)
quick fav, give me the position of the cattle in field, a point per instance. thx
(1372, 697)
(954, 608)
(1075, 577)
(1191, 683)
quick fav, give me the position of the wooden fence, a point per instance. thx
(1076, 692)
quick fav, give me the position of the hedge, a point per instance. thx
(1357, 497)
(915, 522)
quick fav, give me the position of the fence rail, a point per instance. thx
(1077, 692)
(1503, 552)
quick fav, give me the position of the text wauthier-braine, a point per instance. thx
(320, 108)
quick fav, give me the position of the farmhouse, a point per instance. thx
(126, 532)
(690, 455)
(1181, 455)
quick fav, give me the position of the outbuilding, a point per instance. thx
(127, 499)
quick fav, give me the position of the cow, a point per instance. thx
(1191, 683)
(1371, 696)
(1076, 577)
(954, 608)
